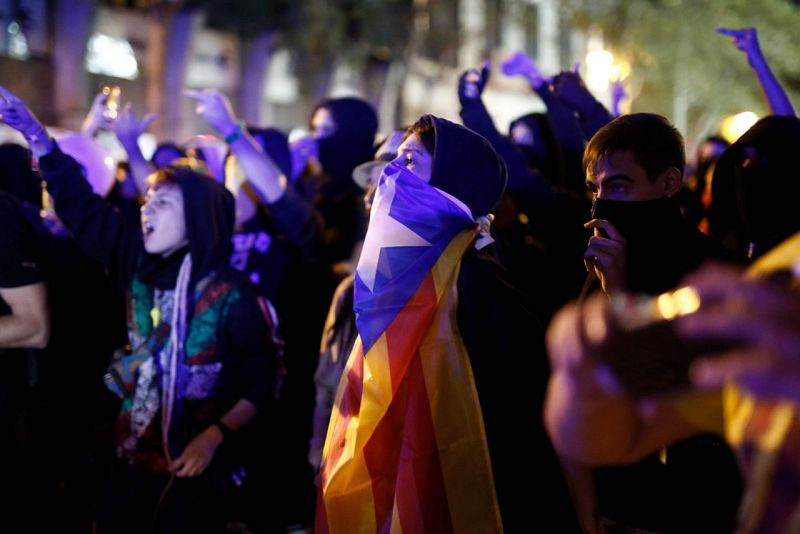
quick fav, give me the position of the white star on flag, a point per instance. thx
(384, 231)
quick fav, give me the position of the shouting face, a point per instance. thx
(163, 222)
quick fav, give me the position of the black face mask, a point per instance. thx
(652, 230)
(635, 220)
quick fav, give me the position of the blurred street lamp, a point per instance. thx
(733, 126)
(598, 69)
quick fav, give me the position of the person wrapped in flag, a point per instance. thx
(420, 439)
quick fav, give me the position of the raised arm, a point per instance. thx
(569, 88)
(103, 111)
(128, 129)
(261, 171)
(100, 229)
(746, 40)
(473, 111)
(563, 120)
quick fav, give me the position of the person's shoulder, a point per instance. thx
(481, 267)
(711, 249)
(483, 280)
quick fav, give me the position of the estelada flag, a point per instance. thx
(406, 450)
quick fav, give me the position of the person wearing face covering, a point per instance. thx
(641, 243)
(344, 131)
(447, 350)
(201, 360)
(755, 185)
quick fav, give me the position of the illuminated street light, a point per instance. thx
(598, 69)
(733, 126)
(112, 57)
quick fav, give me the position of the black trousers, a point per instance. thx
(139, 501)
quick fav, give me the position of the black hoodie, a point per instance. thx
(756, 185)
(115, 241)
(505, 345)
(351, 144)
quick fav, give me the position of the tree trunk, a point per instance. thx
(182, 27)
(257, 56)
(73, 25)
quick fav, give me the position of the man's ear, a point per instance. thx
(673, 181)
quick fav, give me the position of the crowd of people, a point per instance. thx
(565, 328)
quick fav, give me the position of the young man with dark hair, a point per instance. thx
(642, 243)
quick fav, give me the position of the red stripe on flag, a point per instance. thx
(403, 459)
(409, 327)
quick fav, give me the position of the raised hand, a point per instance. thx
(570, 89)
(745, 39)
(103, 112)
(128, 127)
(215, 108)
(16, 114)
(520, 64)
(472, 82)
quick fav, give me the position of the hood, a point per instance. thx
(466, 166)
(209, 214)
(757, 176)
(353, 141)
(541, 153)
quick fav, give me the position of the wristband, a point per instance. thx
(227, 432)
(236, 133)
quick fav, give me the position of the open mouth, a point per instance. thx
(147, 228)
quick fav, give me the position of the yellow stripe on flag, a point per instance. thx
(460, 434)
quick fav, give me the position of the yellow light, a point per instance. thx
(733, 126)
(619, 71)
(680, 302)
(598, 69)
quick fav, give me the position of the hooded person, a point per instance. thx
(201, 360)
(532, 135)
(350, 142)
(344, 131)
(755, 185)
(424, 400)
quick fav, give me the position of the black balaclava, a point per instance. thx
(352, 141)
(276, 145)
(541, 154)
(209, 214)
(466, 166)
(17, 176)
(761, 171)
(655, 233)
